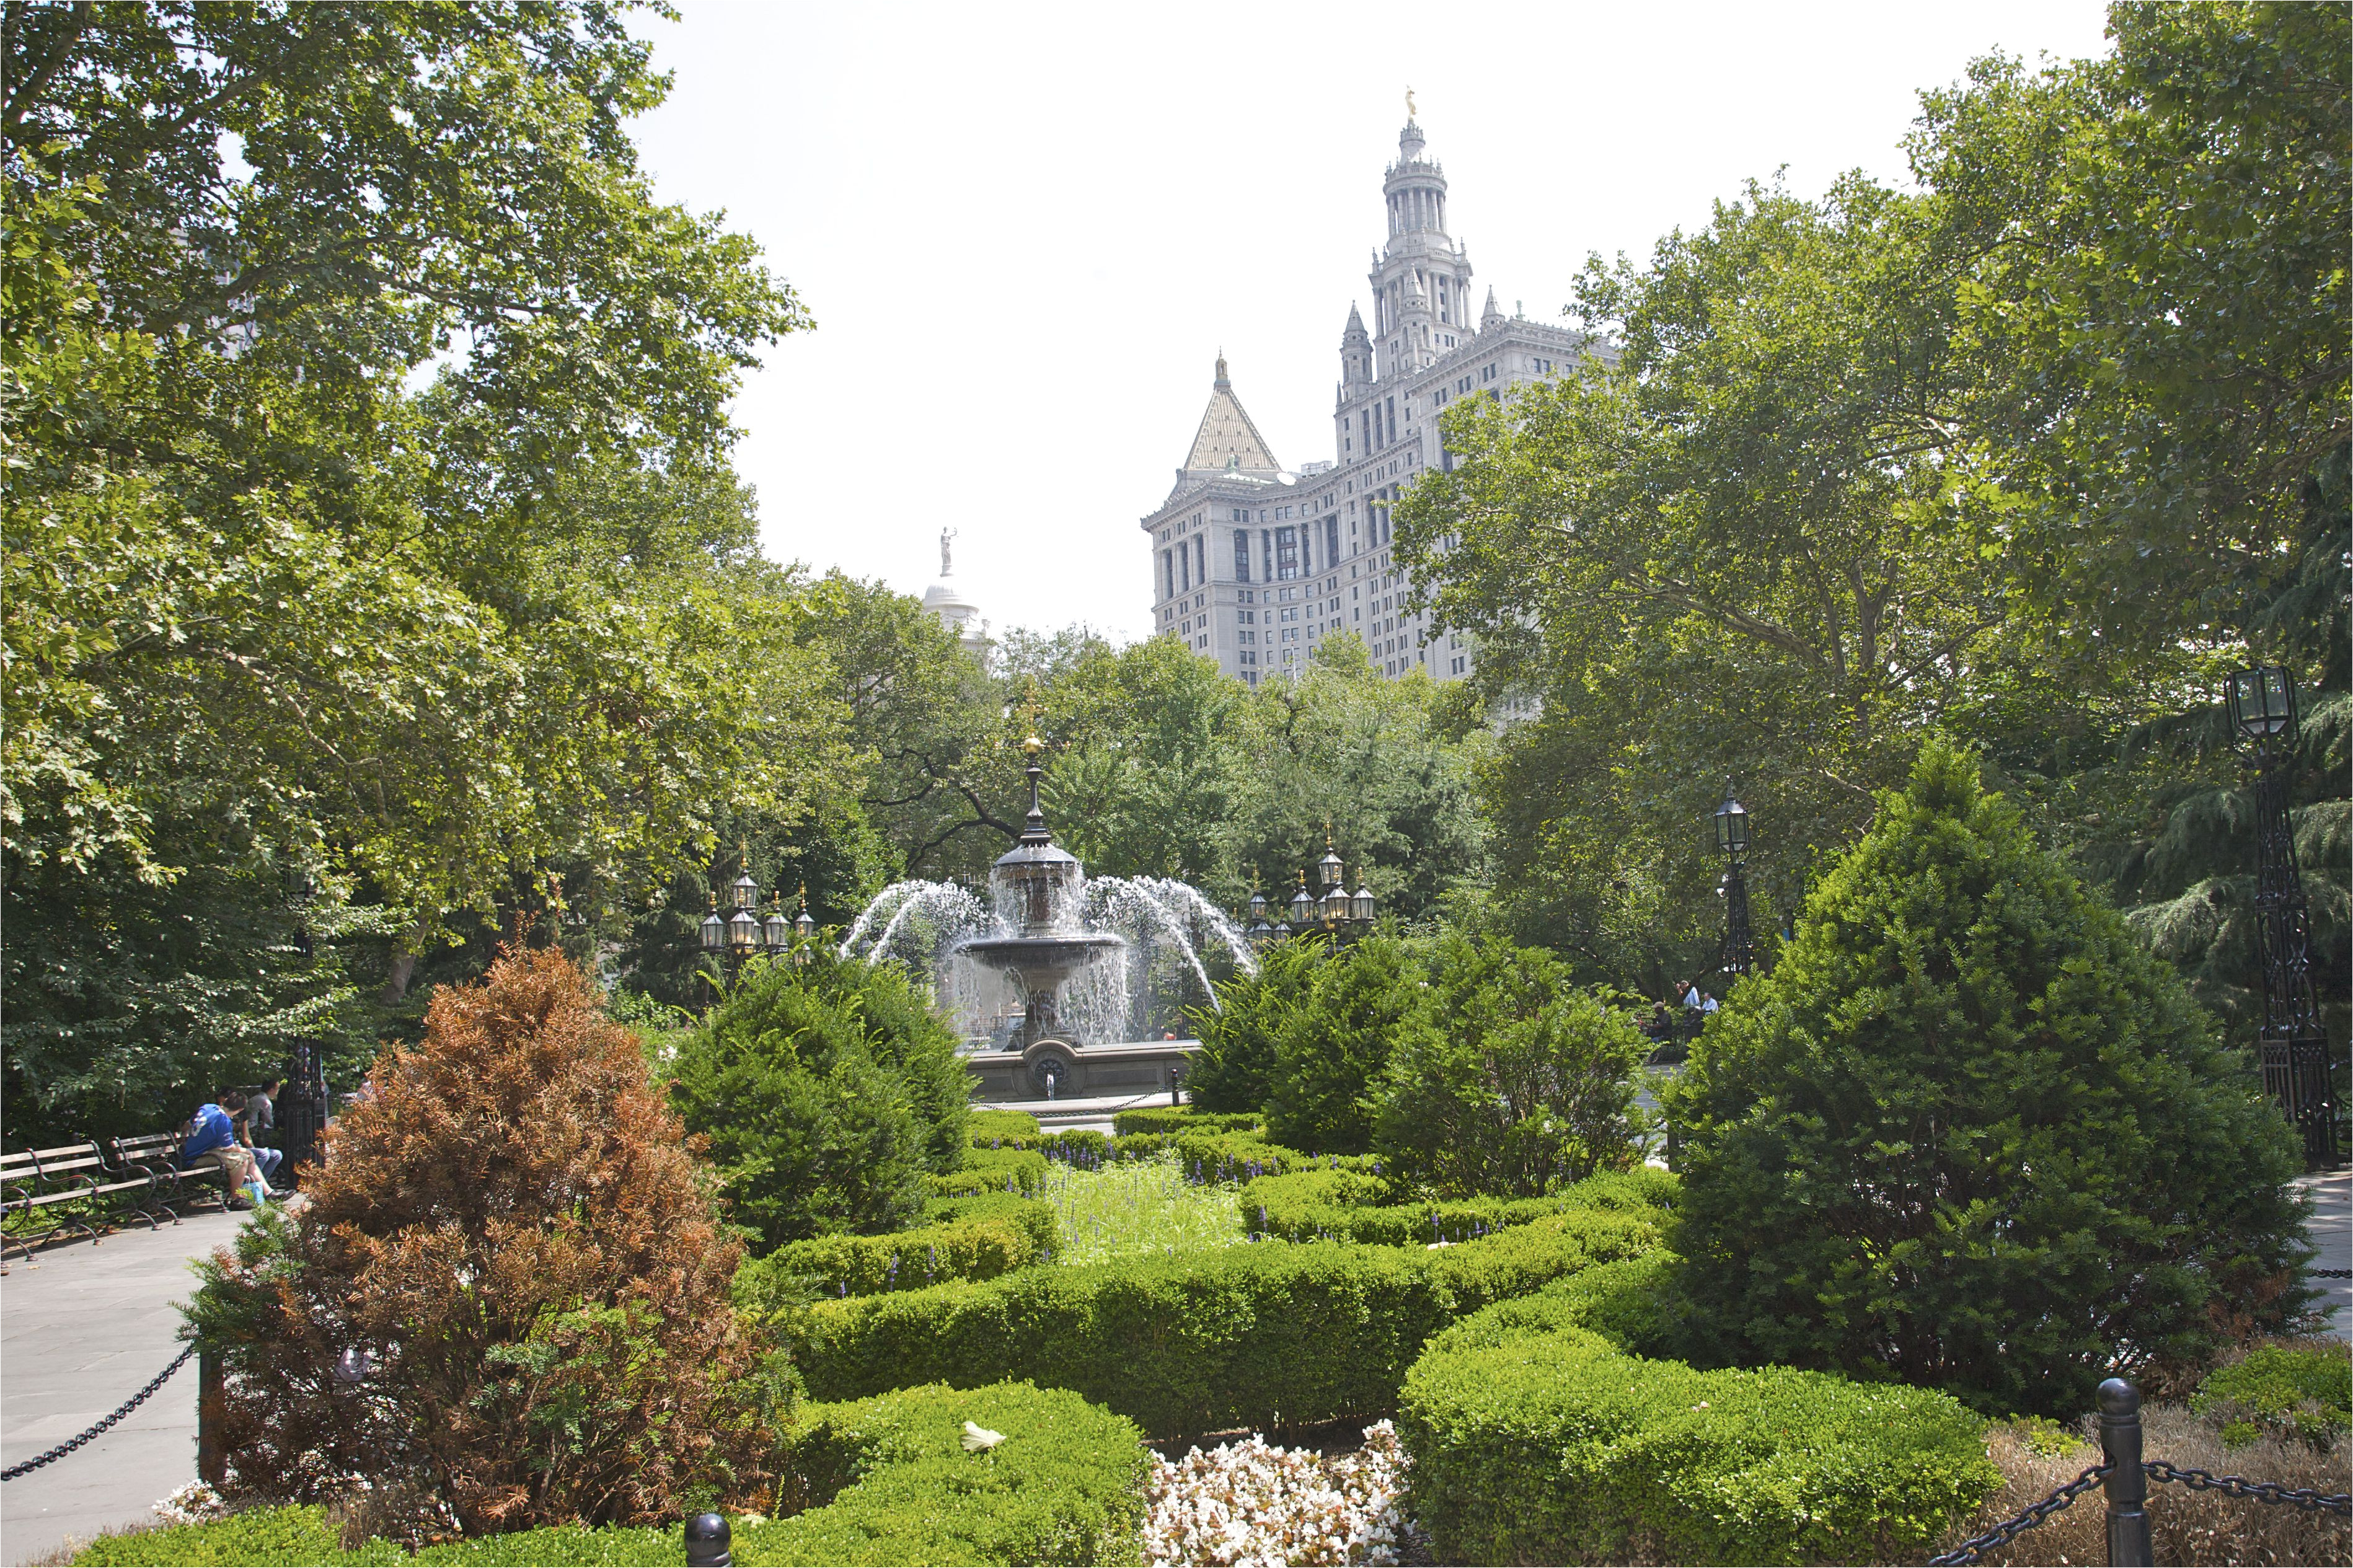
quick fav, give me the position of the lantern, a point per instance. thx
(2261, 700)
(714, 929)
(1731, 824)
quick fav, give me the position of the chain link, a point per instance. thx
(2307, 1497)
(2330, 1273)
(70, 1444)
(2009, 1529)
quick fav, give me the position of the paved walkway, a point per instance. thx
(2332, 1229)
(82, 1328)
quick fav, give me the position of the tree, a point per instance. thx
(1512, 1081)
(510, 1235)
(1332, 1047)
(279, 621)
(1234, 1069)
(826, 1090)
(1969, 1135)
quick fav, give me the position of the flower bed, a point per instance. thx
(1249, 1502)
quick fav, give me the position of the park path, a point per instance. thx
(82, 1328)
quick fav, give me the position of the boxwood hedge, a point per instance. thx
(1350, 1204)
(1246, 1336)
(1184, 1119)
(1021, 1171)
(878, 1481)
(1536, 1439)
(1011, 1233)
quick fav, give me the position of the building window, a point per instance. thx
(1185, 566)
(1168, 576)
(1286, 554)
(1200, 561)
(1242, 556)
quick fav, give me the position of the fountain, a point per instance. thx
(1045, 980)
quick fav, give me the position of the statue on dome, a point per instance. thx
(945, 536)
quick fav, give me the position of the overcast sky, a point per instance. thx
(1026, 231)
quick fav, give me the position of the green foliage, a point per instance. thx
(973, 1246)
(1342, 1204)
(1021, 1171)
(880, 1481)
(1183, 1119)
(1537, 1439)
(992, 1129)
(1242, 1336)
(828, 1092)
(1334, 1042)
(1233, 1072)
(1512, 1081)
(2287, 1391)
(1969, 1135)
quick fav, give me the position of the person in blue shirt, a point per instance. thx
(212, 1140)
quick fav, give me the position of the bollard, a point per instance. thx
(706, 1542)
(212, 1465)
(2126, 1484)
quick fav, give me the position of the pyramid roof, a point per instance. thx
(1227, 439)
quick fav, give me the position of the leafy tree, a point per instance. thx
(1512, 1081)
(508, 1229)
(276, 618)
(1332, 1047)
(1235, 1067)
(1969, 1135)
(826, 1090)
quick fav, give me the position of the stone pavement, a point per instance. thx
(82, 1328)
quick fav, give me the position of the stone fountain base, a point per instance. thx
(1136, 1067)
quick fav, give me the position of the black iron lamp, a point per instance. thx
(775, 931)
(2261, 700)
(1335, 899)
(1328, 869)
(714, 929)
(805, 923)
(1302, 904)
(1731, 824)
(1360, 908)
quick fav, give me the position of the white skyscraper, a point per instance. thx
(1254, 564)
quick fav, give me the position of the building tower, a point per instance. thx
(959, 616)
(1421, 278)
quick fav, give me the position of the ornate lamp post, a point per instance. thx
(2293, 1046)
(1732, 840)
(741, 932)
(1302, 906)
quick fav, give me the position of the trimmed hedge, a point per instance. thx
(1345, 1205)
(1246, 1336)
(1014, 1234)
(991, 1129)
(878, 1481)
(2288, 1391)
(1021, 1171)
(1184, 1119)
(1536, 1439)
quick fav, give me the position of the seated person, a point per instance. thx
(212, 1140)
(266, 1160)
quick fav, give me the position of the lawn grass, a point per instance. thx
(1136, 1207)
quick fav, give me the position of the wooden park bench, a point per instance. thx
(34, 1179)
(157, 1154)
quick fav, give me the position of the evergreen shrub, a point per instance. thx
(1254, 1335)
(510, 1228)
(1233, 1070)
(1969, 1136)
(1537, 1439)
(1184, 1119)
(1335, 1041)
(880, 1481)
(2285, 1390)
(1021, 1171)
(995, 1129)
(1513, 1081)
(970, 1247)
(1327, 1204)
(826, 1092)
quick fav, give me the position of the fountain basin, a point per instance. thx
(1039, 962)
(1136, 1067)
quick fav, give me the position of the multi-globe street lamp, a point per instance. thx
(741, 932)
(2292, 1045)
(1333, 908)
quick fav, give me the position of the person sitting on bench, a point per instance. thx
(212, 1140)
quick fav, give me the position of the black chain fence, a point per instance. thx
(2307, 1497)
(2330, 1273)
(133, 1402)
(2009, 1529)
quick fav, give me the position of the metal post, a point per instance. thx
(302, 1107)
(707, 1541)
(2293, 1046)
(1739, 943)
(212, 1464)
(2126, 1484)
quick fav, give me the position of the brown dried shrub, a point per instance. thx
(513, 1231)
(2185, 1526)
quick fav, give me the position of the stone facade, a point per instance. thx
(1253, 565)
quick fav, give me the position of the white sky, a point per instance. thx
(1026, 230)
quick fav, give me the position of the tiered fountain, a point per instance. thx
(1049, 999)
